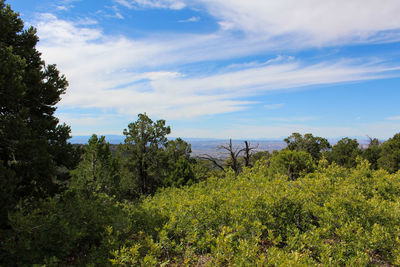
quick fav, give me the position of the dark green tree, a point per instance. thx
(34, 152)
(151, 161)
(179, 163)
(373, 152)
(390, 155)
(313, 145)
(98, 170)
(345, 152)
(181, 173)
(177, 148)
(144, 146)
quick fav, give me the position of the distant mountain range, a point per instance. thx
(201, 146)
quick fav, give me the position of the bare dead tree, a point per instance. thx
(247, 153)
(233, 156)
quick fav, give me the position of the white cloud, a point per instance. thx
(62, 8)
(124, 3)
(133, 76)
(86, 22)
(304, 22)
(82, 119)
(65, 5)
(191, 19)
(170, 4)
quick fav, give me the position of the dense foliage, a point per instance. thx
(333, 216)
(390, 155)
(35, 158)
(313, 145)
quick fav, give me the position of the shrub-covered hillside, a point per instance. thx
(333, 216)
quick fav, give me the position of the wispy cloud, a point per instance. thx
(306, 23)
(62, 8)
(65, 5)
(124, 3)
(394, 118)
(192, 19)
(133, 75)
(170, 4)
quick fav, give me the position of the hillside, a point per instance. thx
(330, 217)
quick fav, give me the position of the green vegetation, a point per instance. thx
(390, 155)
(149, 203)
(315, 146)
(333, 216)
(35, 157)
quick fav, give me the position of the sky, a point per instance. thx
(241, 69)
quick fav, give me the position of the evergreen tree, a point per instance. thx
(373, 152)
(151, 161)
(35, 157)
(98, 170)
(390, 155)
(144, 146)
(179, 163)
(345, 152)
(313, 145)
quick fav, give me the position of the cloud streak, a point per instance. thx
(305, 22)
(191, 19)
(131, 76)
(170, 4)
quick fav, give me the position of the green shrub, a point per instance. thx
(333, 216)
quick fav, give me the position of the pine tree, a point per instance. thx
(98, 170)
(35, 157)
(144, 144)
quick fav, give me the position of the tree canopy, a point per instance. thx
(390, 154)
(98, 170)
(313, 145)
(293, 164)
(151, 158)
(345, 152)
(34, 154)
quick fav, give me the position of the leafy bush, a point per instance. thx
(293, 164)
(333, 216)
(70, 229)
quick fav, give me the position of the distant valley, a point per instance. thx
(209, 146)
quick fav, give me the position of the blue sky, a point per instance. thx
(225, 69)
